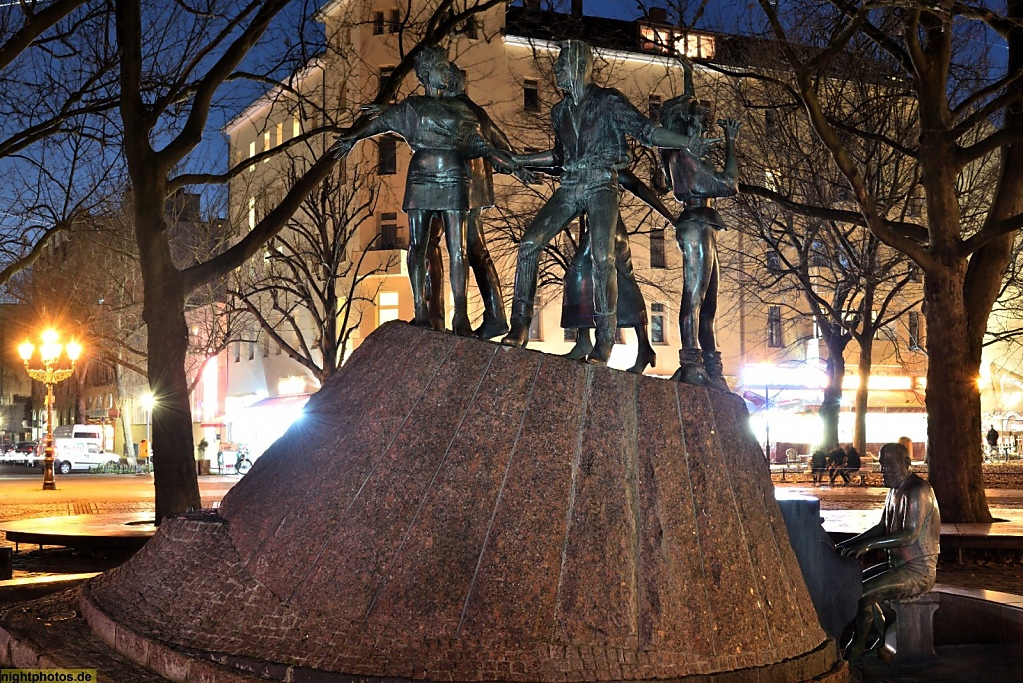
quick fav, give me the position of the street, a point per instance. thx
(21, 494)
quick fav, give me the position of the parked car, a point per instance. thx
(24, 453)
(82, 459)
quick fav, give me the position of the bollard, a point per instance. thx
(6, 564)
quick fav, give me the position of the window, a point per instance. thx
(818, 254)
(252, 153)
(530, 95)
(657, 249)
(773, 261)
(264, 344)
(252, 213)
(771, 122)
(385, 73)
(389, 237)
(387, 307)
(280, 133)
(266, 145)
(378, 23)
(774, 337)
(914, 331)
(535, 331)
(395, 22)
(296, 126)
(387, 155)
(657, 323)
(237, 351)
(915, 202)
(653, 106)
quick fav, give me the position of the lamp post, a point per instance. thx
(49, 353)
(148, 403)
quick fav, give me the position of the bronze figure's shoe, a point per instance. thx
(462, 328)
(426, 323)
(644, 358)
(518, 336)
(690, 369)
(583, 346)
(491, 328)
(715, 370)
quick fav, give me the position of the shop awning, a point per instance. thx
(290, 401)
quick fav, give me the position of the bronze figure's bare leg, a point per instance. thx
(578, 302)
(549, 221)
(602, 212)
(495, 321)
(708, 313)
(418, 230)
(696, 240)
(455, 223)
(880, 583)
(435, 274)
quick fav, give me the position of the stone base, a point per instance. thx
(910, 641)
(455, 510)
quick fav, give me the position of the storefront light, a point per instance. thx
(780, 377)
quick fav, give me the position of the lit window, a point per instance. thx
(252, 153)
(774, 335)
(657, 323)
(252, 213)
(266, 144)
(296, 126)
(535, 330)
(280, 133)
(387, 307)
(914, 331)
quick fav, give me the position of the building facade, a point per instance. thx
(771, 345)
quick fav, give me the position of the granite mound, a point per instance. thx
(455, 510)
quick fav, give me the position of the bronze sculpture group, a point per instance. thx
(450, 182)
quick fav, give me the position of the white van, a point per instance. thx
(79, 447)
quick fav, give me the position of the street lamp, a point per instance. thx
(49, 353)
(148, 403)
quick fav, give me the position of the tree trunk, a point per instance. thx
(832, 403)
(953, 417)
(129, 440)
(862, 394)
(163, 309)
(177, 487)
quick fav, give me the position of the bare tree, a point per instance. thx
(55, 95)
(968, 115)
(167, 89)
(316, 277)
